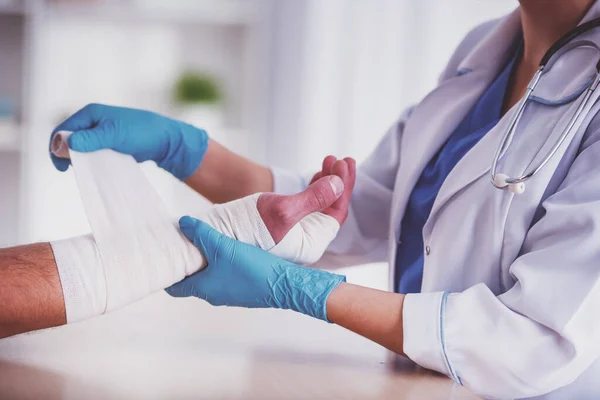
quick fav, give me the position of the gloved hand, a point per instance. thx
(242, 275)
(174, 145)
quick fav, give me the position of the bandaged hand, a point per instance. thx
(296, 227)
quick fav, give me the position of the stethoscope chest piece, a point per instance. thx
(500, 182)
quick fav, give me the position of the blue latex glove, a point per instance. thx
(174, 145)
(242, 275)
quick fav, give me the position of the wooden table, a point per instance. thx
(164, 348)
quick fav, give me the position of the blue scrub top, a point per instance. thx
(480, 120)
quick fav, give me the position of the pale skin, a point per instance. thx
(29, 282)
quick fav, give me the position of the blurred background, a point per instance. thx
(283, 82)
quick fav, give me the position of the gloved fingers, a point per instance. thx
(86, 118)
(281, 213)
(102, 136)
(196, 231)
(216, 247)
(184, 288)
(188, 226)
(211, 242)
(61, 164)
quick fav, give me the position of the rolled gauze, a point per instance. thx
(136, 247)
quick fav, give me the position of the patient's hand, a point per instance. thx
(297, 227)
(329, 192)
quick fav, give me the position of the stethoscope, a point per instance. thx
(517, 185)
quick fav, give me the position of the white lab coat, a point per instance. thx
(510, 302)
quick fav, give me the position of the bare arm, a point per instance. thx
(371, 313)
(31, 296)
(224, 176)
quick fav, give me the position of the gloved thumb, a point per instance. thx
(281, 213)
(92, 139)
(194, 230)
(203, 236)
(187, 225)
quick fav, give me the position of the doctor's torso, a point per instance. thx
(475, 232)
(487, 227)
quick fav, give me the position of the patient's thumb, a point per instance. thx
(320, 195)
(281, 213)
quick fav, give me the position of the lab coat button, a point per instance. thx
(427, 250)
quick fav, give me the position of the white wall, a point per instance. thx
(11, 56)
(347, 69)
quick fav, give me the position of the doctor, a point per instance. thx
(499, 291)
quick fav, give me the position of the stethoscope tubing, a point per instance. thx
(516, 185)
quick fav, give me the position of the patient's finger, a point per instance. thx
(325, 169)
(352, 168)
(346, 170)
(281, 213)
(316, 177)
(339, 209)
(328, 163)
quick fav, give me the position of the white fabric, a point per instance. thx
(306, 242)
(141, 249)
(136, 247)
(82, 277)
(522, 270)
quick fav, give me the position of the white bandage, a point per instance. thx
(136, 248)
(306, 242)
(140, 248)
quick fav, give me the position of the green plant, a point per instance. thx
(193, 88)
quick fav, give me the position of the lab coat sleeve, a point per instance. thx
(363, 237)
(542, 333)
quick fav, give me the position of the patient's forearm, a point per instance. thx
(31, 295)
(224, 176)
